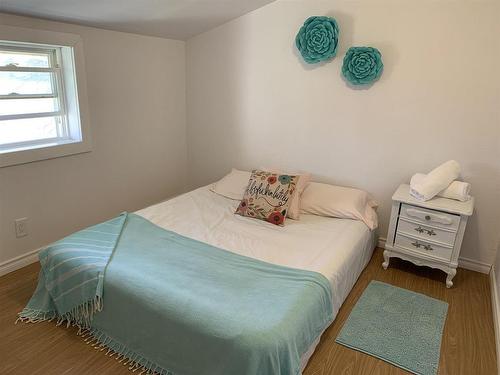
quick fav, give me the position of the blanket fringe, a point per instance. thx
(135, 362)
(35, 316)
(80, 316)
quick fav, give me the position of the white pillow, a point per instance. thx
(304, 178)
(337, 201)
(233, 185)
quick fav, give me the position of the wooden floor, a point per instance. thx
(468, 345)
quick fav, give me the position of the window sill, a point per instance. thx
(43, 152)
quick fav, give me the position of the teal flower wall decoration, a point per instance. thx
(317, 39)
(362, 65)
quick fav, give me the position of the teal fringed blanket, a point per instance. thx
(70, 283)
(173, 305)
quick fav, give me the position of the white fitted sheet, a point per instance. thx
(339, 249)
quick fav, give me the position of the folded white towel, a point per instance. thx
(436, 180)
(457, 190)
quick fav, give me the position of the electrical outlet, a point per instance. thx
(21, 227)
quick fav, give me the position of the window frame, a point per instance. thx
(70, 87)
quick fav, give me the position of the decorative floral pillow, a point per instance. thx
(268, 196)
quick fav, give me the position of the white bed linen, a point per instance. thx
(339, 249)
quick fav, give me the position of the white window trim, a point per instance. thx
(54, 150)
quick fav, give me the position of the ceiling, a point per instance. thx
(175, 19)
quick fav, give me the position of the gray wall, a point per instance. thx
(251, 102)
(136, 90)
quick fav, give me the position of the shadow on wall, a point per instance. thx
(224, 114)
(485, 182)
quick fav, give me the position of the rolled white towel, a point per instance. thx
(457, 190)
(436, 180)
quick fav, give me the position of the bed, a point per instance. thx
(338, 249)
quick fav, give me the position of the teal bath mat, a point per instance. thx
(398, 326)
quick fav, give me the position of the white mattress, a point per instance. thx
(339, 249)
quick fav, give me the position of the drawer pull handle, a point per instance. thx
(430, 232)
(443, 219)
(419, 245)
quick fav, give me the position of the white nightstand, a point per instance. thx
(427, 233)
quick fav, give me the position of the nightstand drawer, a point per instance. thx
(431, 217)
(424, 232)
(419, 246)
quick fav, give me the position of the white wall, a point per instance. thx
(251, 101)
(136, 90)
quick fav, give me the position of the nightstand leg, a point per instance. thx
(386, 260)
(451, 275)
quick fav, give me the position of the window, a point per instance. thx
(32, 110)
(40, 100)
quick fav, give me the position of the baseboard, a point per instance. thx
(468, 264)
(495, 305)
(19, 262)
(474, 265)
